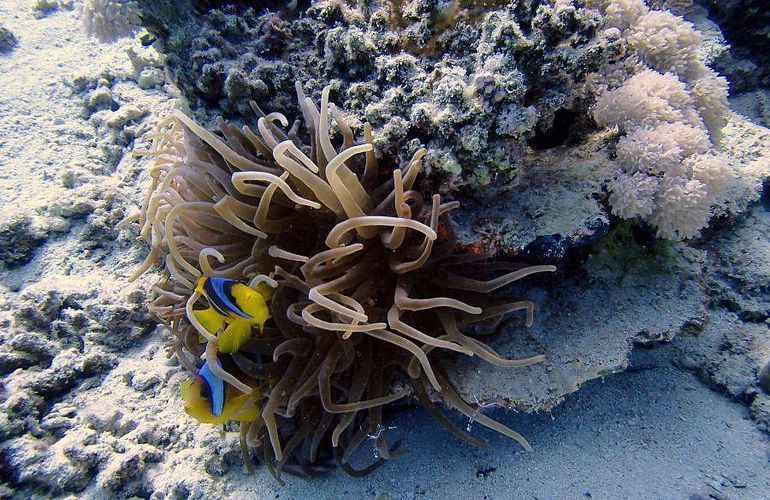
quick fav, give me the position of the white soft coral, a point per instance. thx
(667, 43)
(645, 100)
(109, 20)
(668, 174)
(661, 149)
(633, 195)
(682, 208)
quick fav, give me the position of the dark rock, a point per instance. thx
(10, 361)
(26, 461)
(7, 40)
(119, 327)
(745, 24)
(18, 241)
(67, 370)
(33, 344)
(122, 470)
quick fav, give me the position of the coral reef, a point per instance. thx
(365, 287)
(482, 109)
(475, 85)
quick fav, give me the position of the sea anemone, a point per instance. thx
(365, 288)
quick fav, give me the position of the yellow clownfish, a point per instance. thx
(235, 305)
(208, 400)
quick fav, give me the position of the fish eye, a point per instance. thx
(205, 391)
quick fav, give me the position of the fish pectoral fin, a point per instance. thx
(237, 333)
(211, 320)
(241, 409)
(251, 302)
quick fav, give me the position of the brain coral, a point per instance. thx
(308, 284)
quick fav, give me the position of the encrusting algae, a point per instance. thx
(335, 286)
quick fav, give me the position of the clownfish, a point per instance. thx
(208, 400)
(235, 306)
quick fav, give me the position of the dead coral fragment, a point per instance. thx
(365, 287)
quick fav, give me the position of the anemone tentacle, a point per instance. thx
(363, 283)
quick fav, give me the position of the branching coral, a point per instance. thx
(364, 286)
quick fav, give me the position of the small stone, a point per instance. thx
(7, 40)
(760, 412)
(101, 98)
(79, 82)
(110, 420)
(736, 481)
(122, 470)
(119, 118)
(19, 239)
(151, 78)
(45, 7)
(144, 381)
(689, 363)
